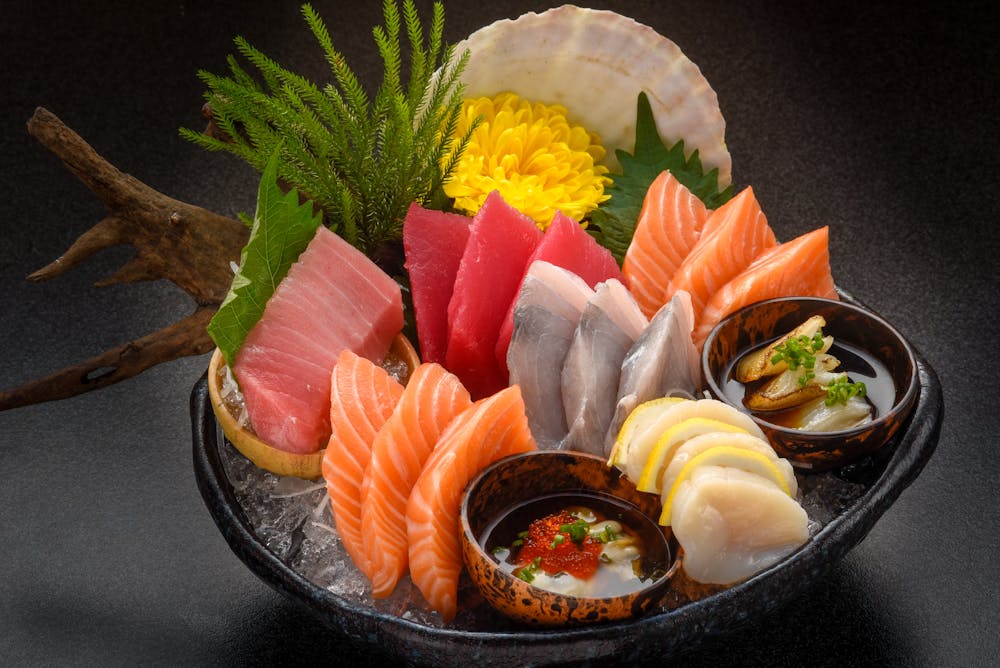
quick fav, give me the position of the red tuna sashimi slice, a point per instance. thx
(432, 397)
(490, 429)
(670, 223)
(735, 234)
(433, 242)
(340, 300)
(796, 268)
(501, 239)
(565, 244)
(362, 397)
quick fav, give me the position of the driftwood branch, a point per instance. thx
(173, 240)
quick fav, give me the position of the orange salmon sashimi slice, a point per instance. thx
(735, 234)
(432, 398)
(363, 396)
(486, 432)
(669, 225)
(796, 268)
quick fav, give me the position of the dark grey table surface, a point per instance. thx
(879, 122)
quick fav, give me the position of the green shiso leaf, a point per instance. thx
(282, 228)
(613, 223)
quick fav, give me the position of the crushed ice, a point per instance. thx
(292, 517)
(232, 396)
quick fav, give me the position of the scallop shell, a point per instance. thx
(595, 63)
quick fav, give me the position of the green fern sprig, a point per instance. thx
(362, 160)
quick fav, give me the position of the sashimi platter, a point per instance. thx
(486, 268)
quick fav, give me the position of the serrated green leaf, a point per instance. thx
(282, 228)
(613, 223)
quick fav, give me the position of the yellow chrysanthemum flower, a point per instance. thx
(531, 153)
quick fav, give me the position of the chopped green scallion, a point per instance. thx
(841, 391)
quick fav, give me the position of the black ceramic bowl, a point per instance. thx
(860, 334)
(658, 634)
(563, 477)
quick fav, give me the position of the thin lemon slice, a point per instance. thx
(670, 440)
(725, 455)
(641, 417)
(644, 441)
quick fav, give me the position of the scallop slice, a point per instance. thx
(595, 63)
(730, 457)
(732, 524)
(696, 445)
(669, 443)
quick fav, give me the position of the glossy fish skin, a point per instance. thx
(663, 361)
(609, 325)
(546, 316)
(565, 244)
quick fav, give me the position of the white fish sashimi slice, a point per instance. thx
(662, 362)
(621, 307)
(545, 56)
(608, 327)
(546, 283)
(733, 524)
(546, 315)
(698, 444)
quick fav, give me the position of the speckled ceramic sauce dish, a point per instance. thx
(868, 346)
(537, 483)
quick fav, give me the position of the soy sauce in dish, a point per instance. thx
(860, 365)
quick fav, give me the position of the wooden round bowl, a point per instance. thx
(264, 455)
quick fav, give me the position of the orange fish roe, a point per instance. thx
(550, 541)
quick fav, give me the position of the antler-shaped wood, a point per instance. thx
(186, 244)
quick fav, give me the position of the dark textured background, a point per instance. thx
(879, 122)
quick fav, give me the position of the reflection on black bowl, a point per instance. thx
(861, 334)
(655, 635)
